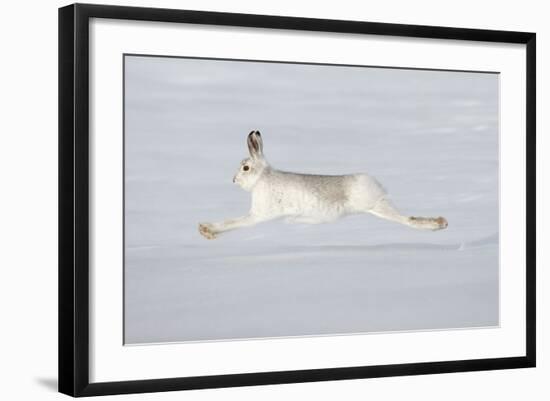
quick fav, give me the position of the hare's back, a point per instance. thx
(340, 192)
(330, 187)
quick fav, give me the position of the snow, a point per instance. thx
(430, 137)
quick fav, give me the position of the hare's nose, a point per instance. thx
(234, 177)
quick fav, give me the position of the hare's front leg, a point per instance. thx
(212, 230)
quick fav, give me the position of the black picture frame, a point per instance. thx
(74, 193)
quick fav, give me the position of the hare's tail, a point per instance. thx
(386, 210)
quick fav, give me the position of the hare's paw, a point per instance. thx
(207, 230)
(428, 223)
(442, 223)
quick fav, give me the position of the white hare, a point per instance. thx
(307, 198)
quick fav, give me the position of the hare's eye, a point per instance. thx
(246, 168)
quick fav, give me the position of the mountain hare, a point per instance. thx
(307, 198)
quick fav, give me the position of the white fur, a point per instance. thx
(306, 198)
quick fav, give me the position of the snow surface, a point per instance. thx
(430, 137)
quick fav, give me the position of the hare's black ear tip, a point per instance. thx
(258, 133)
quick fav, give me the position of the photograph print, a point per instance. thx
(280, 199)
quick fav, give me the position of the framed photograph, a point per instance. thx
(251, 199)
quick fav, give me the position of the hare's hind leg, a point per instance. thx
(384, 209)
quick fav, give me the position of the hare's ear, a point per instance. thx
(255, 145)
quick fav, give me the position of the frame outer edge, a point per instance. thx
(303, 23)
(81, 198)
(73, 178)
(73, 280)
(66, 305)
(531, 200)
